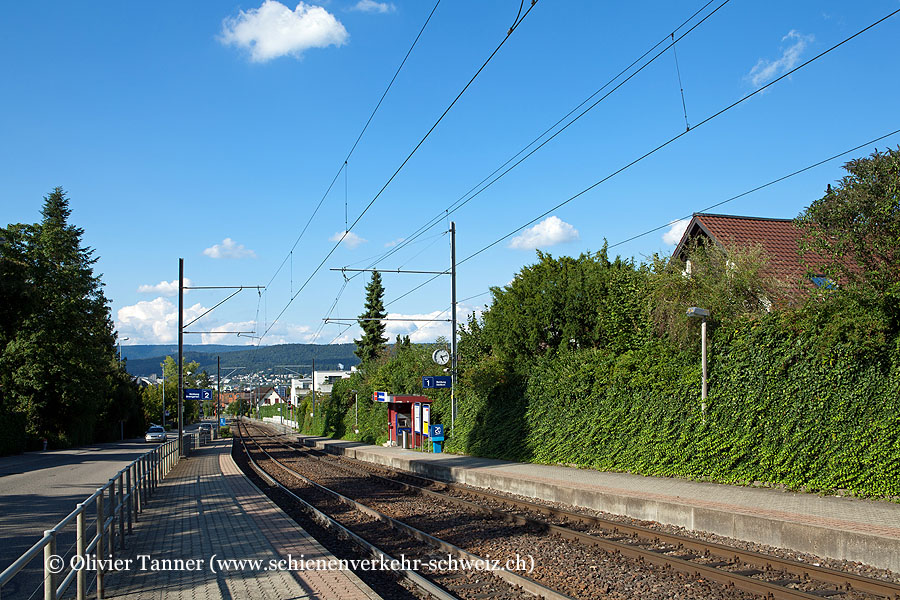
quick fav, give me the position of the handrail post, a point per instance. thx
(121, 510)
(101, 547)
(143, 481)
(111, 546)
(80, 545)
(49, 574)
(130, 495)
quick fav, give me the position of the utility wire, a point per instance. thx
(680, 135)
(403, 164)
(687, 125)
(472, 193)
(760, 187)
(711, 206)
(358, 138)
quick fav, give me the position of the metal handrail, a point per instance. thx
(126, 494)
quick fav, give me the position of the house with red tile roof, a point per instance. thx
(778, 239)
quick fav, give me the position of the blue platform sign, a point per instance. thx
(192, 394)
(439, 382)
(223, 422)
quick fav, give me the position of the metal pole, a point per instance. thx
(164, 400)
(80, 545)
(314, 387)
(120, 502)
(703, 360)
(180, 354)
(111, 545)
(129, 504)
(49, 575)
(452, 326)
(100, 545)
(218, 393)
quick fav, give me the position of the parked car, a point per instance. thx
(155, 434)
(205, 429)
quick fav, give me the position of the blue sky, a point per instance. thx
(210, 131)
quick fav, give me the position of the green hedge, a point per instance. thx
(782, 410)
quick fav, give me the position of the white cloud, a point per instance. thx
(153, 321)
(676, 230)
(549, 232)
(370, 6)
(765, 70)
(229, 338)
(394, 243)
(229, 249)
(166, 288)
(427, 331)
(274, 30)
(351, 240)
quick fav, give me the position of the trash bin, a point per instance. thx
(187, 441)
(405, 440)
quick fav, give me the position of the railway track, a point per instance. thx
(391, 540)
(631, 560)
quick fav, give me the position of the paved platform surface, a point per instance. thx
(844, 528)
(207, 510)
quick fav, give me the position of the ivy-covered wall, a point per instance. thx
(781, 410)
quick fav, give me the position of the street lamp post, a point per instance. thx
(355, 410)
(125, 339)
(703, 314)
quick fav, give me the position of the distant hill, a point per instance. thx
(264, 358)
(154, 350)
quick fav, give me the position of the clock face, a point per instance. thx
(441, 357)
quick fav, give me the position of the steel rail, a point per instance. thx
(527, 584)
(845, 581)
(763, 588)
(369, 549)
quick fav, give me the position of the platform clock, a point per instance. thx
(440, 356)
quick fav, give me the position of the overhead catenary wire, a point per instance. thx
(472, 193)
(680, 135)
(358, 138)
(475, 191)
(402, 164)
(772, 182)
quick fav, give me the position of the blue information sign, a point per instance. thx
(223, 422)
(192, 394)
(437, 433)
(439, 382)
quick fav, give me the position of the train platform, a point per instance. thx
(844, 528)
(208, 532)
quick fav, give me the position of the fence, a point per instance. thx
(117, 505)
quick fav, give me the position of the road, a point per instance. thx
(38, 489)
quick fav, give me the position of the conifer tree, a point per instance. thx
(373, 342)
(59, 367)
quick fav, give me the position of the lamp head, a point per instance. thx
(695, 311)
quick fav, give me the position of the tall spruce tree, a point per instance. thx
(373, 341)
(58, 367)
